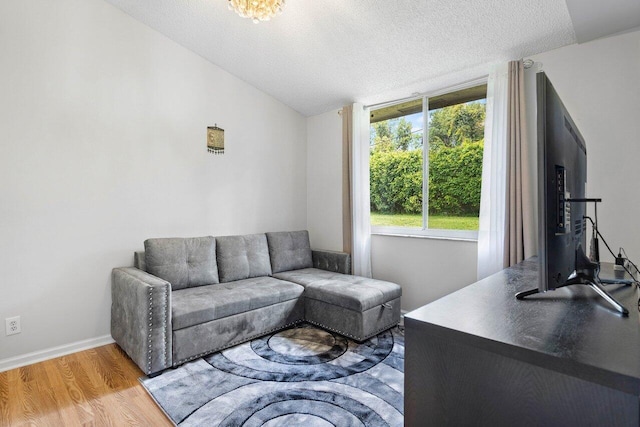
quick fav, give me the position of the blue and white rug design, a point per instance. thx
(303, 376)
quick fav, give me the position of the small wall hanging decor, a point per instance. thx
(215, 139)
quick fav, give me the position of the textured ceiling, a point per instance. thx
(322, 54)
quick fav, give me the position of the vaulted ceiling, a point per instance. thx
(321, 54)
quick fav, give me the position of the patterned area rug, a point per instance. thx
(303, 376)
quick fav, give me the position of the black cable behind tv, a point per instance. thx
(587, 268)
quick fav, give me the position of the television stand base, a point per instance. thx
(579, 280)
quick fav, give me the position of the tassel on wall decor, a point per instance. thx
(215, 139)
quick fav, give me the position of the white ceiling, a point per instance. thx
(593, 19)
(322, 54)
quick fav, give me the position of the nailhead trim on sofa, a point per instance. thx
(164, 306)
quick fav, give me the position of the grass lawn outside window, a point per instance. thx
(415, 221)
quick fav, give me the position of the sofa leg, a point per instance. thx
(155, 374)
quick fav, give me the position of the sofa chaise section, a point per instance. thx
(357, 307)
(354, 306)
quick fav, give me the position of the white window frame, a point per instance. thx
(425, 231)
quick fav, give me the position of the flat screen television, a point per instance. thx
(562, 177)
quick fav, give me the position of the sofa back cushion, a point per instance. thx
(289, 250)
(242, 257)
(183, 262)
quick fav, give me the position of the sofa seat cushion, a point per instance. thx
(343, 290)
(193, 306)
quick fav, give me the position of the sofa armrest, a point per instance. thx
(141, 318)
(337, 262)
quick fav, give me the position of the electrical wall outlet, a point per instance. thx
(12, 325)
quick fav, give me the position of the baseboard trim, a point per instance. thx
(51, 353)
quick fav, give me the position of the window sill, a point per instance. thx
(455, 235)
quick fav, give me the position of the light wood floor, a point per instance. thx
(97, 387)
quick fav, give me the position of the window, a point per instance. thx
(426, 169)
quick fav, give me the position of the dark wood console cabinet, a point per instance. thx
(562, 358)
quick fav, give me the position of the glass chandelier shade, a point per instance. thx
(257, 10)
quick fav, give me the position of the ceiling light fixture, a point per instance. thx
(257, 10)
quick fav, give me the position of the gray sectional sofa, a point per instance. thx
(186, 297)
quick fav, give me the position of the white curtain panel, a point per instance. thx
(360, 203)
(491, 233)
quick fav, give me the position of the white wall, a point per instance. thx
(599, 84)
(427, 269)
(103, 125)
(324, 180)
